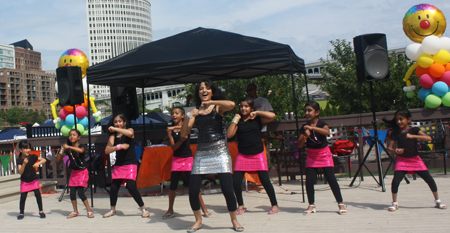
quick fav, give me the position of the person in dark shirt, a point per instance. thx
(121, 140)
(79, 176)
(182, 160)
(408, 159)
(26, 165)
(251, 157)
(318, 155)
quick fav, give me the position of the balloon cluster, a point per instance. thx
(433, 68)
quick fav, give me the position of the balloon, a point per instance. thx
(82, 112)
(425, 60)
(410, 94)
(421, 71)
(68, 109)
(446, 100)
(423, 20)
(431, 44)
(423, 93)
(63, 113)
(85, 132)
(56, 87)
(413, 51)
(446, 78)
(58, 125)
(433, 101)
(65, 130)
(85, 104)
(437, 70)
(439, 88)
(427, 81)
(442, 57)
(74, 57)
(84, 122)
(98, 119)
(79, 127)
(70, 121)
(62, 123)
(445, 42)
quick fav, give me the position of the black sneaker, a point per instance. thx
(20, 217)
(42, 215)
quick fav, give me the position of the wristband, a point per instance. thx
(189, 115)
(235, 120)
(119, 146)
(396, 150)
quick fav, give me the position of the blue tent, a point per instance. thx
(159, 116)
(9, 134)
(105, 121)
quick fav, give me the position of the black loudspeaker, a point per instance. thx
(124, 100)
(372, 62)
(70, 85)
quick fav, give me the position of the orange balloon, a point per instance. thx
(437, 70)
(85, 104)
(447, 67)
(421, 71)
(68, 108)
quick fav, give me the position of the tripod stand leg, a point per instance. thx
(63, 192)
(361, 166)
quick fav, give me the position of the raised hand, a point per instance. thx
(112, 129)
(125, 146)
(253, 115)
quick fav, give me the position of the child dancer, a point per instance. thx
(26, 164)
(408, 158)
(251, 158)
(318, 155)
(182, 160)
(80, 176)
(121, 140)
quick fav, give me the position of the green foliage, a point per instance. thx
(18, 115)
(329, 111)
(352, 96)
(106, 108)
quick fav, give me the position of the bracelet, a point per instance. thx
(396, 150)
(189, 115)
(235, 120)
(119, 146)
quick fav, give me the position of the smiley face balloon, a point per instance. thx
(424, 20)
(74, 57)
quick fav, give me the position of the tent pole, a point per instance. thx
(296, 125)
(91, 176)
(306, 85)
(144, 144)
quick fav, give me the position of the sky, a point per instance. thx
(54, 26)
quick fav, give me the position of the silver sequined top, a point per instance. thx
(209, 127)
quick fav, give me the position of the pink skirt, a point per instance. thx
(128, 172)
(182, 164)
(29, 186)
(319, 157)
(410, 164)
(247, 163)
(79, 178)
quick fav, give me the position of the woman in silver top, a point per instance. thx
(212, 156)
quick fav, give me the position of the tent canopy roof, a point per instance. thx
(194, 55)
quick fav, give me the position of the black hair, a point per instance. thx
(249, 101)
(216, 92)
(77, 131)
(314, 105)
(123, 117)
(24, 144)
(182, 112)
(393, 123)
(253, 85)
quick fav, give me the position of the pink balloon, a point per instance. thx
(446, 78)
(427, 81)
(63, 114)
(81, 111)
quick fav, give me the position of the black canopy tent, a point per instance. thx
(197, 54)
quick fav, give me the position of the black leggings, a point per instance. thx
(132, 189)
(175, 178)
(23, 198)
(73, 193)
(265, 180)
(311, 178)
(425, 175)
(226, 184)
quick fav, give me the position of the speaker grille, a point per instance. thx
(377, 63)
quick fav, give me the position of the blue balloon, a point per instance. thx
(70, 121)
(62, 123)
(83, 121)
(439, 88)
(423, 93)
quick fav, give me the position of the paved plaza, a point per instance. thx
(366, 203)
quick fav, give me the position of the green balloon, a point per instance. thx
(433, 101)
(65, 130)
(58, 125)
(446, 99)
(410, 94)
(98, 118)
(85, 132)
(80, 128)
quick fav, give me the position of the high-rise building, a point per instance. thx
(7, 57)
(115, 27)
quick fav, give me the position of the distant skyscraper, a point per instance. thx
(115, 27)
(7, 57)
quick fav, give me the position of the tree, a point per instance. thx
(15, 115)
(352, 96)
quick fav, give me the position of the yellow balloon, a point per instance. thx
(425, 60)
(423, 20)
(442, 57)
(74, 57)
